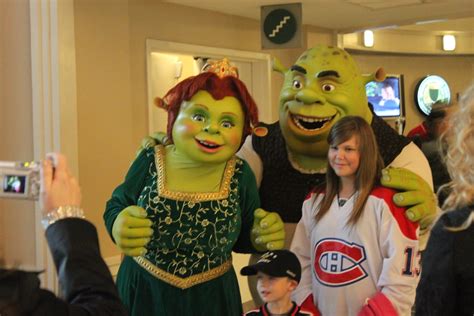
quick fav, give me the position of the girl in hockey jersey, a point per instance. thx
(358, 251)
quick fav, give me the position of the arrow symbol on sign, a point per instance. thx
(279, 26)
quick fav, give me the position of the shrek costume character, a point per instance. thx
(183, 208)
(324, 85)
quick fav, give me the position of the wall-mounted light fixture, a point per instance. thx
(178, 69)
(368, 38)
(449, 42)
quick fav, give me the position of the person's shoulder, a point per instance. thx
(454, 218)
(316, 192)
(408, 228)
(383, 193)
(148, 154)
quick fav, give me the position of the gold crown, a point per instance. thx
(221, 68)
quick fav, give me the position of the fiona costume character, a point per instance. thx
(184, 207)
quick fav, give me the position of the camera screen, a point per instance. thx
(14, 184)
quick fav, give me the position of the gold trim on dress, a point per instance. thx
(223, 192)
(183, 283)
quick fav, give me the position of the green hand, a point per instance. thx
(132, 230)
(153, 140)
(418, 196)
(268, 231)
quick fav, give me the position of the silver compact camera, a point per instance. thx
(20, 180)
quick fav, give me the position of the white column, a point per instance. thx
(53, 64)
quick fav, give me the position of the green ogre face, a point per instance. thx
(208, 130)
(323, 86)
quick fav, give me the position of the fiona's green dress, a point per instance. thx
(187, 268)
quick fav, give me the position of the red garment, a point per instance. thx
(420, 131)
(379, 305)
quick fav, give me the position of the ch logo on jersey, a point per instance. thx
(338, 262)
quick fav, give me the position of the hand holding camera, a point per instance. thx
(58, 186)
(49, 181)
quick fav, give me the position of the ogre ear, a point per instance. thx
(159, 102)
(260, 131)
(379, 75)
(277, 66)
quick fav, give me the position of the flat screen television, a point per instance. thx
(386, 96)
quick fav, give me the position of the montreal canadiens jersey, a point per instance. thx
(344, 265)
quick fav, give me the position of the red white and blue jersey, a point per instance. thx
(344, 265)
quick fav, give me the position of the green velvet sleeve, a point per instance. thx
(127, 193)
(249, 202)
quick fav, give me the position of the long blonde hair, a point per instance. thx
(370, 165)
(459, 156)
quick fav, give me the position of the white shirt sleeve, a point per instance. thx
(301, 247)
(413, 159)
(247, 153)
(400, 270)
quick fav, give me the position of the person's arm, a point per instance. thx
(416, 188)
(398, 240)
(436, 291)
(125, 221)
(127, 193)
(249, 202)
(85, 279)
(86, 283)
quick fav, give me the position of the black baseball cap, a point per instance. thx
(277, 263)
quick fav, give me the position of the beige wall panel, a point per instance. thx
(315, 36)
(104, 108)
(17, 226)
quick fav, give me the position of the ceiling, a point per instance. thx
(347, 16)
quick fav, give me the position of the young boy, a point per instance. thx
(278, 274)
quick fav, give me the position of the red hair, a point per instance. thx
(218, 88)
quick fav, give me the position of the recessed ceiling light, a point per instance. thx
(368, 38)
(449, 42)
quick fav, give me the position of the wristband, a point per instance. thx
(61, 212)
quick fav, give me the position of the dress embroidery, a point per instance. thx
(193, 233)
